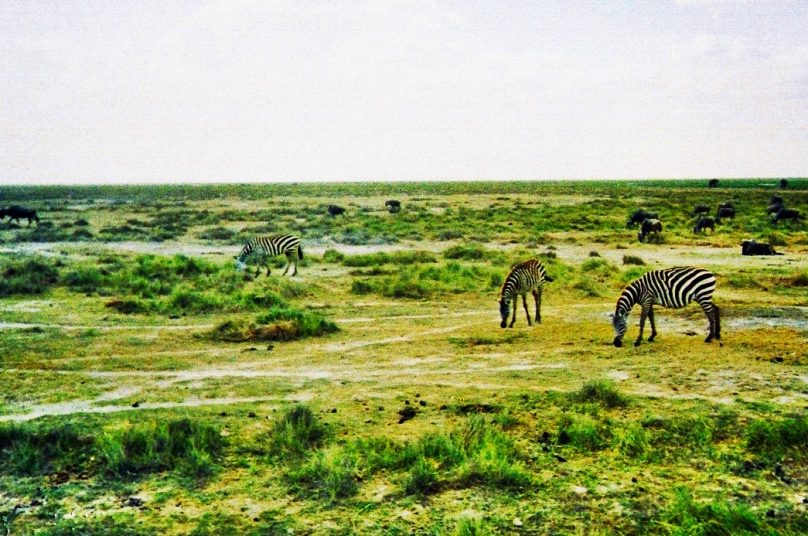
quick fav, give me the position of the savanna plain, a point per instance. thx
(148, 387)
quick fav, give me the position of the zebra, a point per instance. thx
(527, 276)
(264, 247)
(670, 287)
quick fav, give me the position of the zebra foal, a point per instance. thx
(262, 248)
(528, 276)
(671, 287)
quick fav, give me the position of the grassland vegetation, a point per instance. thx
(162, 414)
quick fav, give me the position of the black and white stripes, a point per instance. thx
(528, 276)
(672, 287)
(262, 248)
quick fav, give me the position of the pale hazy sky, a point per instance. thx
(134, 91)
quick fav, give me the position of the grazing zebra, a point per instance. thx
(671, 287)
(528, 276)
(264, 247)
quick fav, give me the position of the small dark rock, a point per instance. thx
(406, 402)
(559, 457)
(381, 408)
(422, 403)
(36, 502)
(270, 347)
(333, 410)
(135, 502)
(136, 405)
(250, 349)
(770, 513)
(252, 415)
(779, 472)
(417, 395)
(777, 359)
(545, 437)
(223, 414)
(634, 479)
(443, 407)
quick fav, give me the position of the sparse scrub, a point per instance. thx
(31, 275)
(774, 439)
(600, 392)
(189, 446)
(297, 433)
(633, 259)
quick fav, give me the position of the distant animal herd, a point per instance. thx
(671, 287)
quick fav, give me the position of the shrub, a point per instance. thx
(468, 252)
(600, 392)
(34, 448)
(633, 441)
(333, 256)
(182, 444)
(296, 433)
(217, 233)
(83, 279)
(717, 517)
(632, 259)
(31, 275)
(331, 474)
(583, 432)
(422, 478)
(775, 438)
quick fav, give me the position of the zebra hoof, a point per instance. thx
(637, 343)
(618, 343)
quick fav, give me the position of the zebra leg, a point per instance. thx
(710, 312)
(537, 297)
(513, 320)
(643, 316)
(653, 325)
(288, 263)
(527, 313)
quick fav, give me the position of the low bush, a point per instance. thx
(633, 259)
(37, 448)
(192, 447)
(30, 275)
(297, 433)
(775, 438)
(600, 392)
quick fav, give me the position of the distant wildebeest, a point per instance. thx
(724, 212)
(786, 214)
(649, 226)
(776, 200)
(727, 204)
(712, 183)
(704, 222)
(15, 212)
(701, 209)
(639, 215)
(774, 208)
(393, 205)
(335, 210)
(783, 183)
(751, 247)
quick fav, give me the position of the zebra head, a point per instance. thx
(620, 325)
(504, 311)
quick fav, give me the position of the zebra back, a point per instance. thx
(270, 245)
(523, 278)
(670, 287)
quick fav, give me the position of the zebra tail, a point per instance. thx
(300, 252)
(548, 278)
